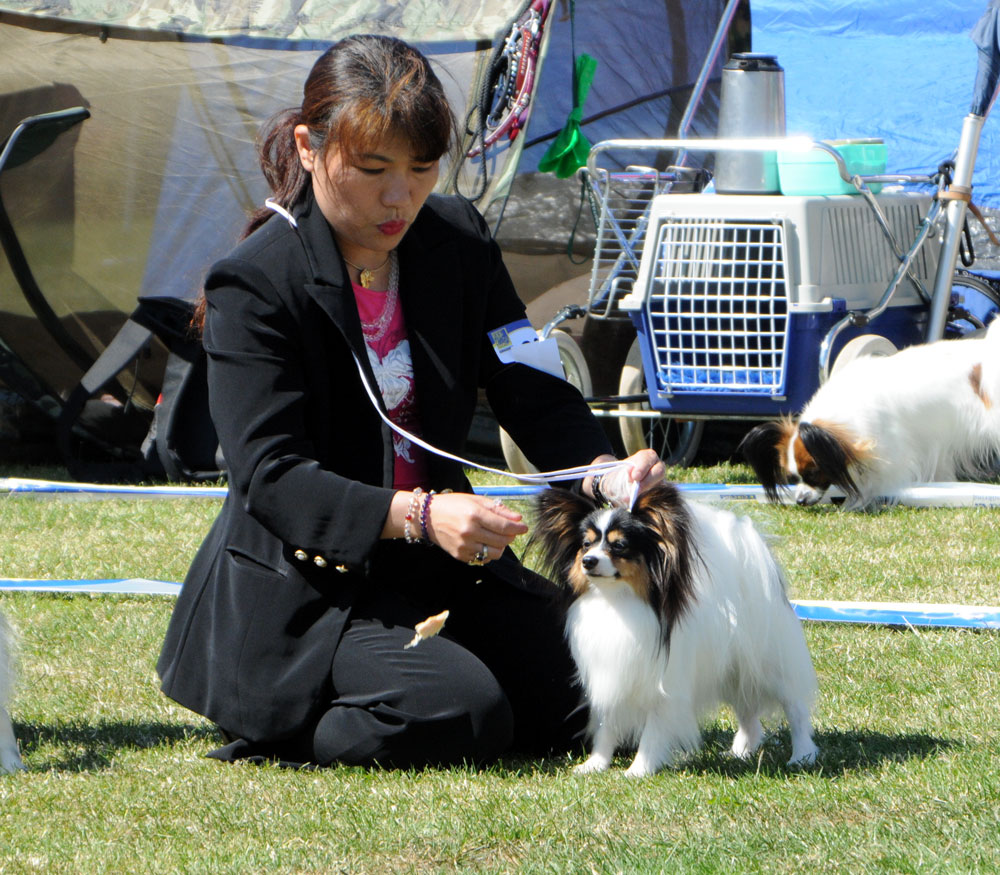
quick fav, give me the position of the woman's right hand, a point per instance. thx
(468, 527)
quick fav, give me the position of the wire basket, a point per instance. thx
(623, 199)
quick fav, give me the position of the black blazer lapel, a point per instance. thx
(331, 291)
(434, 323)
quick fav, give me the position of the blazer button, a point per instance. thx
(343, 569)
(320, 561)
(301, 555)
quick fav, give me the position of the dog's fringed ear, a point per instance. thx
(558, 516)
(834, 452)
(662, 509)
(761, 447)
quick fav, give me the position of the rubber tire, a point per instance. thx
(859, 347)
(576, 370)
(675, 440)
(981, 287)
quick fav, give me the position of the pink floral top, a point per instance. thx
(390, 359)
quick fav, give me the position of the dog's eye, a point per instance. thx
(587, 543)
(619, 546)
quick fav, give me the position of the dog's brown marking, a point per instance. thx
(808, 470)
(976, 381)
(859, 450)
(785, 436)
(577, 577)
(632, 572)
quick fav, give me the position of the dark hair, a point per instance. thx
(360, 91)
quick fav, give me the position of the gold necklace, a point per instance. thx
(367, 273)
(374, 331)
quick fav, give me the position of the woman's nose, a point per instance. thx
(396, 192)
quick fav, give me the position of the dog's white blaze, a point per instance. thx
(790, 464)
(604, 567)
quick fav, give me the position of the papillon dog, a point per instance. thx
(674, 608)
(929, 412)
(10, 758)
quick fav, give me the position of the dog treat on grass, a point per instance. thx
(428, 629)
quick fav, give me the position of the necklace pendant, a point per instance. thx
(367, 278)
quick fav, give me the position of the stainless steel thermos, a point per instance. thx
(751, 104)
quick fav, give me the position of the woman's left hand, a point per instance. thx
(643, 467)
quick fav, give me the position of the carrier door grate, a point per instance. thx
(718, 306)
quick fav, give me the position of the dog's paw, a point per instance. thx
(804, 757)
(641, 768)
(591, 765)
(10, 761)
(747, 741)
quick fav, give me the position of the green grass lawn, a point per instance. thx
(908, 778)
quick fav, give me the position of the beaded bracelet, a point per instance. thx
(425, 514)
(411, 516)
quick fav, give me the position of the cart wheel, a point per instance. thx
(859, 347)
(981, 297)
(577, 373)
(674, 440)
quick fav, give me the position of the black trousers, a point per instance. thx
(498, 679)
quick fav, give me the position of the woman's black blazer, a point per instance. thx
(310, 463)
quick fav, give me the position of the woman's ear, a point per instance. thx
(303, 145)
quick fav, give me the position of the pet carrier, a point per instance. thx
(735, 294)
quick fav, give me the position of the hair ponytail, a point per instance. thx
(280, 164)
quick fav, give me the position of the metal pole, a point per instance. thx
(965, 162)
(721, 32)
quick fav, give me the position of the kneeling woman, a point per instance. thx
(338, 535)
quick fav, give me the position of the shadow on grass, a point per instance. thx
(839, 752)
(84, 747)
(75, 747)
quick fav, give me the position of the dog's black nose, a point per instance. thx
(589, 562)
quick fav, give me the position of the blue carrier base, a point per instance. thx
(731, 399)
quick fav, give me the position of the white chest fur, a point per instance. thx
(617, 643)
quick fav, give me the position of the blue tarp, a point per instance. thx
(901, 70)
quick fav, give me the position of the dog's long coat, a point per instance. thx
(927, 413)
(675, 608)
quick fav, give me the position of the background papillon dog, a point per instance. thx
(674, 608)
(926, 413)
(10, 758)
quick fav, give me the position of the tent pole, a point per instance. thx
(698, 92)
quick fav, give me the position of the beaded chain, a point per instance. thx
(375, 330)
(418, 511)
(412, 515)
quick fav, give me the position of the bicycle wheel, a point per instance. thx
(674, 440)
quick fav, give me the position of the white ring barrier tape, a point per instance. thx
(828, 611)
